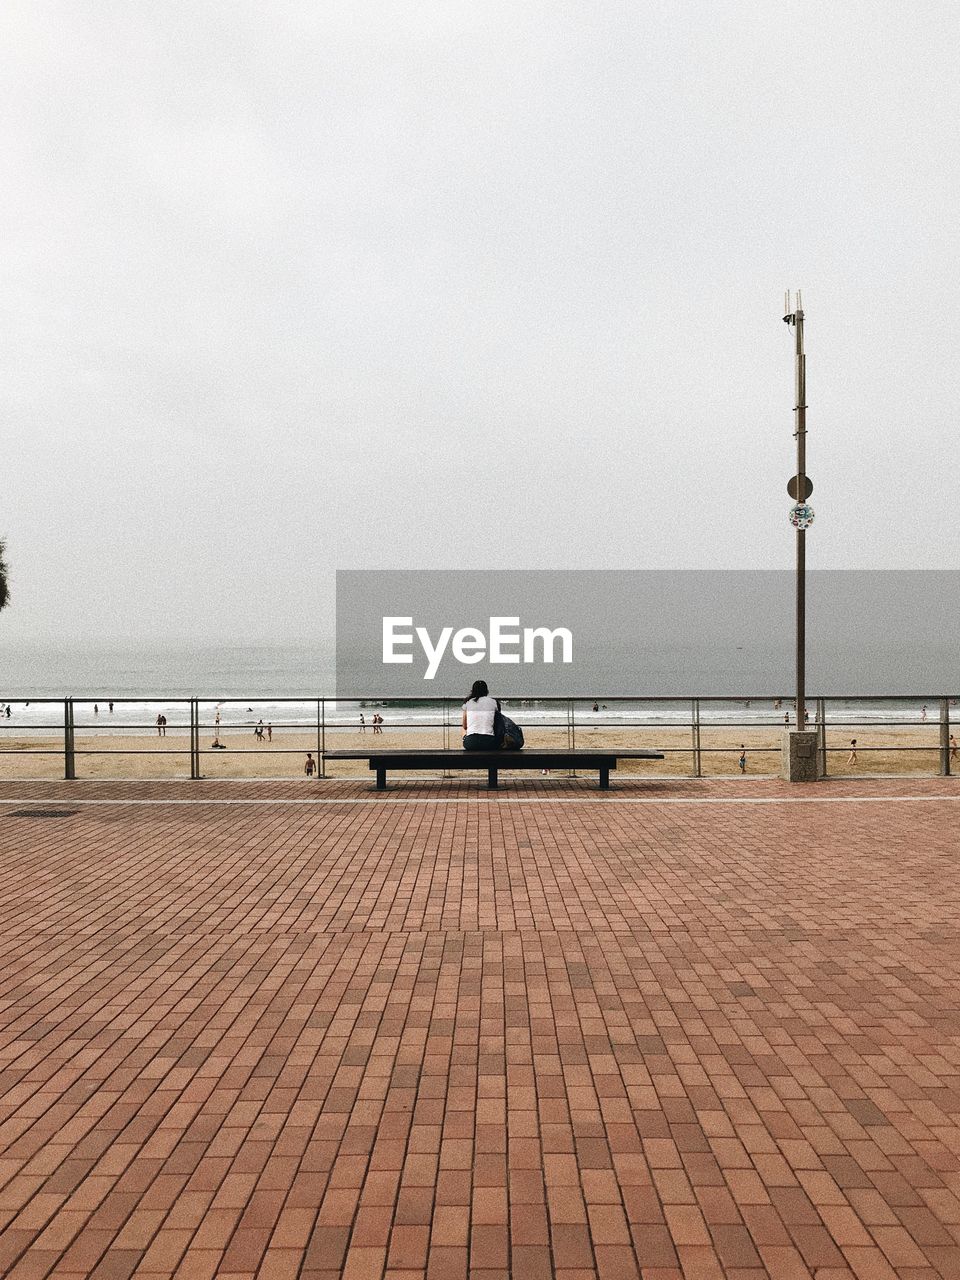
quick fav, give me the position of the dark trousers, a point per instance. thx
(481, 742)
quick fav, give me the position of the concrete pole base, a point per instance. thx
(799, 758)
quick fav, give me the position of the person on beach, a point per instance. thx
(363, 724)
(310, 767)
(110, 705)
(270, 732)
(742, 762)
(96, 709)
(161, 725)
(479, 713)
(258, 731)
(786, 717)
(923, 713)
(953, 747)
(852, 757)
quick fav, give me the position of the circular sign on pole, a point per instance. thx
(801, 516)
(793, 488)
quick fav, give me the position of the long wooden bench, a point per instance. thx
(494, 761)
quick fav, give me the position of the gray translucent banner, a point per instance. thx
(653, 633)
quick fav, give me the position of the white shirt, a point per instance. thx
(480, 715)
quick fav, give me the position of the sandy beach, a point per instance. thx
(909, 749)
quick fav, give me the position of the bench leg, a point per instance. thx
(492, 782)
(604, 779)
(381, 779)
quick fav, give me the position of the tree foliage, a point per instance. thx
(4, 588)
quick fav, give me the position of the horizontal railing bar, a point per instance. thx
(299, 751)
(169, 699)
(559, 725)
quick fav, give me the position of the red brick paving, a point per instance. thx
(500, 1036)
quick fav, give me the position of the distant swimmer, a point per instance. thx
(310, 767)
(595, 707)
(110, 705)
(852, 757)
(96, 709)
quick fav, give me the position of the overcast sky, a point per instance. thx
(296, 286)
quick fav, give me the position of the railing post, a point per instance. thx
(695, 730)
(322, 735)
(69, 756)
(821, 714)
(945, 737)
(194, 739)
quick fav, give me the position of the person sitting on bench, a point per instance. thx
(479, 712)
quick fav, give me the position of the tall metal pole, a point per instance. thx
(801, 435)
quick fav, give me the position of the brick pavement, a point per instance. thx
(443, 1034)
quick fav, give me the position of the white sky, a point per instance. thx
(296, 286)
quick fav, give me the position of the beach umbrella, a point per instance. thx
(4, 590)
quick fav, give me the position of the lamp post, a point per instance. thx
(797, 751)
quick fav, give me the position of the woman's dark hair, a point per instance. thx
(479, 690)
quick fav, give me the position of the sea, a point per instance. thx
(294, 685)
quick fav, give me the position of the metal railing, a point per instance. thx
(686, 728)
